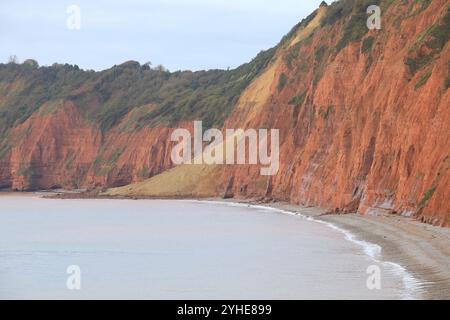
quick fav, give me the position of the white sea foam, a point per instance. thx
(412, 286)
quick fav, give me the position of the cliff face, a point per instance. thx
(361, 130)
(63, 150)
(62, 127)
(364, 119)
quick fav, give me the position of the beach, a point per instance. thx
(416, 253)
(424, 250)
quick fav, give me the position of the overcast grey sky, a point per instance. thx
(180, 34)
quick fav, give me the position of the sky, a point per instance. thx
(179, 34)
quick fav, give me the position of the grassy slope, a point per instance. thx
(204, 181)
(198, 181)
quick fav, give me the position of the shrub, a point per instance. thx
(298, 99)
(415, 64)
(319, 53)
(368, 63)
(31, 63)
(282, 81)
(434, 38)
(144, 172)
(325, 112)
(337, 10)
(4, 151)
(292, 54)
(25, 170)
(356, 26)
(426, 197)
(419, 5)
(367, 44)
(422, 80)
(354, 30)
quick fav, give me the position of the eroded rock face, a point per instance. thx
(364, 127)
(366, 136)
(51, 150)
(63, 150)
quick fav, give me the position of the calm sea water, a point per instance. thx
(181, 250)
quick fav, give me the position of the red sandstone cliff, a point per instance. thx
(364, 123)
(367, 137)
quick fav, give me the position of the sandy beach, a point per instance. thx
(422, 249)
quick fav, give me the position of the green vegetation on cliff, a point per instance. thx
(429, 43)
(106, 97)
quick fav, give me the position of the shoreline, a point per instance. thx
(422, 250)
(418, 250)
